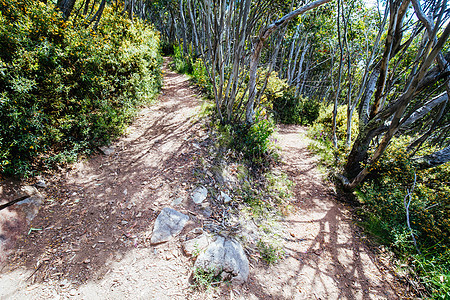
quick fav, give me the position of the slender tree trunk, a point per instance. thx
(66, 6)
(259, 45)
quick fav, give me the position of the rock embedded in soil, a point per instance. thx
(177, 201)
(227, 258)
(196, 246)
(224, 197)
(168, 224)
(31, 204)
(199, 194)
(41, 184)
(107, 150)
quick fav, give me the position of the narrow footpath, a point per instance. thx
(90, 239)
(327, 256)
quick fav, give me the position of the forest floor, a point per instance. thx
(90, 237)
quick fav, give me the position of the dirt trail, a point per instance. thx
(98, 217)
(327, 259)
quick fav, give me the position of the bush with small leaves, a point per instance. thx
(66, 88)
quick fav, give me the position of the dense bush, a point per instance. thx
(321, 133)
(66, 88)
(201, 78)
(254, 142)
(386, 189)
(182, 63)
(324, 123)
(291, 109)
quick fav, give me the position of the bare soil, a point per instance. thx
(92, 233)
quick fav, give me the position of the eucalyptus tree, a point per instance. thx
(230, 38)
(407, 85)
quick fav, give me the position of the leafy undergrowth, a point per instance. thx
(393, 190)
(66, 88)
(386, 205)
(205, 279)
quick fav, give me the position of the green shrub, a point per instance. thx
(385, 190)
(181, 63)
(269, 252)
(325, 122)
(68, 89)
(205, 278)
(290, 109)
(201, 77)
(254, 140)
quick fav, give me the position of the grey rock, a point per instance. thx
(224, 197)
(225, 257)
(168, 224)
(207, 212)
(107, 150)
(197, 230)
(41, 184)
(177, 201)
(196, 246)
(30, 190)
(199, 194)
(32, 203)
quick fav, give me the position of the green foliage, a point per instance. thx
(270, 253)
(290, 109)
(181, 63)
(66, 88)
(201, 77)
(205, 278)
(325, 121)
(384, 213)
(253, 141)
(434, 269)
(385, 190)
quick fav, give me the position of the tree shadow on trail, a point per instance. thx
(106, 206)
(326, 256)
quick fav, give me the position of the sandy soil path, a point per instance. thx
(98, 217)
(327, 258)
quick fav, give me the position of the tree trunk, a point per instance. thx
(259, 45)
(433, 160)
(66, 6)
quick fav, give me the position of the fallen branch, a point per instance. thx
(407, 204)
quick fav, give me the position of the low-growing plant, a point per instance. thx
(254, 141)
(205, 278)
(201, 78)
(182, 63)
(322, 128)
(270, 253)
